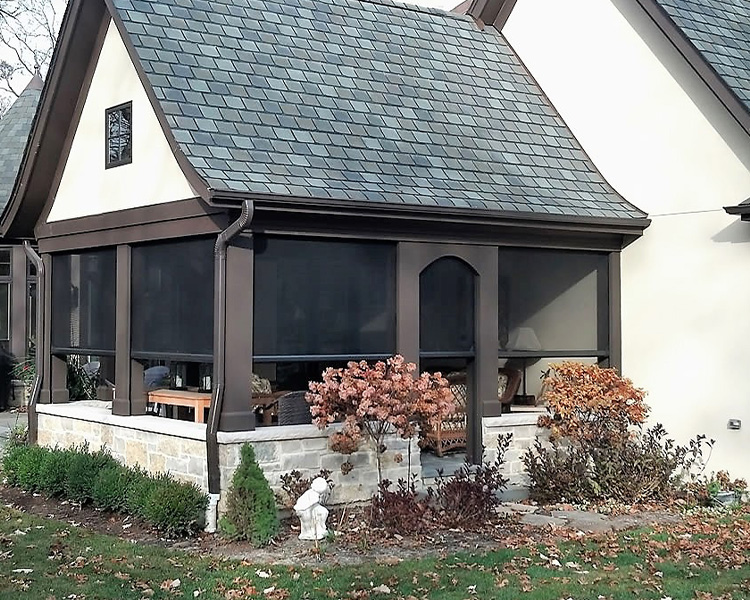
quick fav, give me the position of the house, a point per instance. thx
(258, 189)
(658, 94)
(17, 279)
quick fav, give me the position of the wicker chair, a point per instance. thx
(450, 433)
(293, 409)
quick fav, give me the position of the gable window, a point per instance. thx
(119, 135)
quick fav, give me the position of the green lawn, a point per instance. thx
(705, 558)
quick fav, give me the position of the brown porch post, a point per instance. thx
(615, 312)
(125, 401)
(18, 302)
(407, 301)
(237, 412)
(54, 376)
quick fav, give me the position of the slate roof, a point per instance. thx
(361, 101)
(15, 127)
(720, 31)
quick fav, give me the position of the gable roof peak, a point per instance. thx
(36, 83)
(490, 12)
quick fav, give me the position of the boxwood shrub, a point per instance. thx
(96, 478)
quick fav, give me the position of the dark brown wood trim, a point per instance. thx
(18, 302)
(58, 101)
(76, 119)
(615, 311)
(236, 411)
(55, 370)
(489, 12)
(154, 213)
(147, 232)
(121, 404)
(412, 259)
(195, 180)
(702, 68)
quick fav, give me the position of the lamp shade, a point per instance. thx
(523, 338)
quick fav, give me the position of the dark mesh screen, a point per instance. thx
(446, 307)
(83, 294)
(553, 300)
(315, 297)
(172, 298)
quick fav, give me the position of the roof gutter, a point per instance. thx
(34, 257)
(220, 336)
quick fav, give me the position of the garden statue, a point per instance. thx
(311, 512)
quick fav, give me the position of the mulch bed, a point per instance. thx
(356, 542)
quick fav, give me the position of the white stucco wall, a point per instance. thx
(662, 140)
(154, 177)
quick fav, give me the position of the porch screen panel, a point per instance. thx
(446, 307)
(172, 298)
(83, 296)
(560, 296)
(324, 298)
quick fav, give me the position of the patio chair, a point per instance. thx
(293, 409)
(450, 433)
(153, 379)
(508, 382)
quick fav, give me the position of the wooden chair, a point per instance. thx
(508, 382)
(450, 433)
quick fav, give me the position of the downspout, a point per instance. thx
(219, 375)
(39, 350)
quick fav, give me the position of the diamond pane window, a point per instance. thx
(119, 135)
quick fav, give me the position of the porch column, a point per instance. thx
(486, 337)
(129, 398)
(408, 267)
(55, 372)
(18, 303)
(237, 411)
(615, 312)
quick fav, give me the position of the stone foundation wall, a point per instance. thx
(179, 447)
(280, 450)
(524, 429)
(156, 444)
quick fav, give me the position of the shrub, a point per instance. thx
(30, 466)
(82, 470)
(469, 497)
(54, 472)
(373, 401)
(12, 458)
(174, 507)
(251, 509)
(400, 510)
(140, 488)
(110, 488)
(558, 474)
(294, 484)
(598, 449)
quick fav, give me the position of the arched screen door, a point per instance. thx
(447, 291)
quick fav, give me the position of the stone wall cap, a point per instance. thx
(95, 411)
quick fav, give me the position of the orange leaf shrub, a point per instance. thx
(590, 404)
(373, 400)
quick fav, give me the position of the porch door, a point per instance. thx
(447, 298)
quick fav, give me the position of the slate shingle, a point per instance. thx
(15, 127)
(720, 31)
(353, 89)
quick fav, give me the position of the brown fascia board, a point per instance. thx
(702, 68)
(487, 12)
(195, 180)
(624, 226)
(742, 210)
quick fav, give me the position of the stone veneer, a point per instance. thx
(524, 429)
(159, 445)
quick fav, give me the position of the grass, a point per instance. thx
(708, 557)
